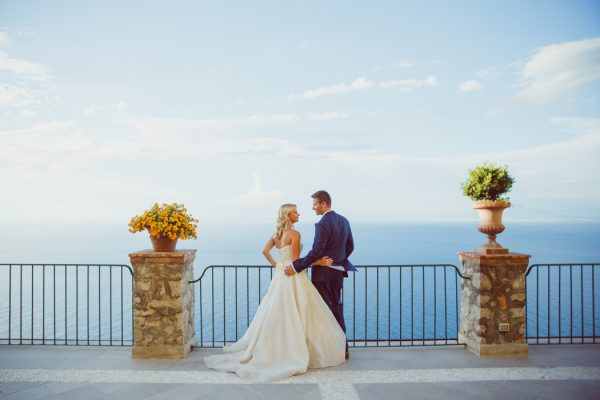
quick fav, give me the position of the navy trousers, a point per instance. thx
(331, 292)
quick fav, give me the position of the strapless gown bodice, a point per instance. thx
(284, 256)
(292, 330)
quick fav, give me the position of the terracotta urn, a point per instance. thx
(163, 244)
(490, 223)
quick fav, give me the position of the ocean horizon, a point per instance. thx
(242, 244)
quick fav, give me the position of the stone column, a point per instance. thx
(163, 303)
(492, 313)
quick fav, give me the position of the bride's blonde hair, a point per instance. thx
(283, 220)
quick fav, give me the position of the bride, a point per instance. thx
(293, 328)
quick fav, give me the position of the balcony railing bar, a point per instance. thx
(573, 283)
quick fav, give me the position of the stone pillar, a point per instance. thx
(492, 313)
(163, 303)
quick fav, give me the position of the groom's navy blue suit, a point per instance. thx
(333, 238)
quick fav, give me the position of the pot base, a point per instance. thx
(491, 246)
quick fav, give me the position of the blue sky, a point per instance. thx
(236, 107)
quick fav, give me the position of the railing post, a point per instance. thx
(163, 303)
(492, 312)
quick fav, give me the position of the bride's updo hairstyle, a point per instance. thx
(283, 220)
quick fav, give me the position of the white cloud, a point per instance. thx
(4, 39)
(67, 152)
(38, 129)
(265, 120)
(409, 84)
(494, 111)
(215, 126)
(361, 83)
(16, 97)
(26, 84)
(40, 144)
(400, 64)
(495, 72)
(60, 143)
(470, 86)
(67, 145)
(257, 194)
(169, 138)
(340, 88)
(579, 150)
(489, 72)
(578, 126)
(364, 84)
(405, 64)
(558, 69)
(24, 69)
(27, 113)
(328, 116)
(119, 107)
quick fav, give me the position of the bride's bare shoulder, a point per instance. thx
(289, 236)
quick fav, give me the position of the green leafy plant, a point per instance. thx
(487, 182)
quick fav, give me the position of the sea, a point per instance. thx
(242, 244)
(405, 303)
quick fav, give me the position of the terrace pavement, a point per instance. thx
(66, 372)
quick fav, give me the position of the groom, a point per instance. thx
(333, 238)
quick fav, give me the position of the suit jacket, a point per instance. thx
(333, 238)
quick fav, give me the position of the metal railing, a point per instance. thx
(384, 305)
(561, 303)
(66, 304)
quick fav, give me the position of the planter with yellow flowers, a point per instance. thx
(165, 223)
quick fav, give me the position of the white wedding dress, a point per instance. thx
(293, 330)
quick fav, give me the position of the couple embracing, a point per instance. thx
(298, 324)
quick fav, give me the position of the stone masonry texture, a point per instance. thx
(495, 294)
(163, 303)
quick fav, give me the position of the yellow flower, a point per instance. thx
(168, 220)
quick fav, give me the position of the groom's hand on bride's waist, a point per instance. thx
(289, 270)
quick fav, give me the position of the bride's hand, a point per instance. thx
(324, 262)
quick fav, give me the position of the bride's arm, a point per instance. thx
(267, 251)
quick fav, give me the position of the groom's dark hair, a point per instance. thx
(322, 197)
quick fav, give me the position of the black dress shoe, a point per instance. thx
(347, 355)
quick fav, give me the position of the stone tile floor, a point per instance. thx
(59, 372)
